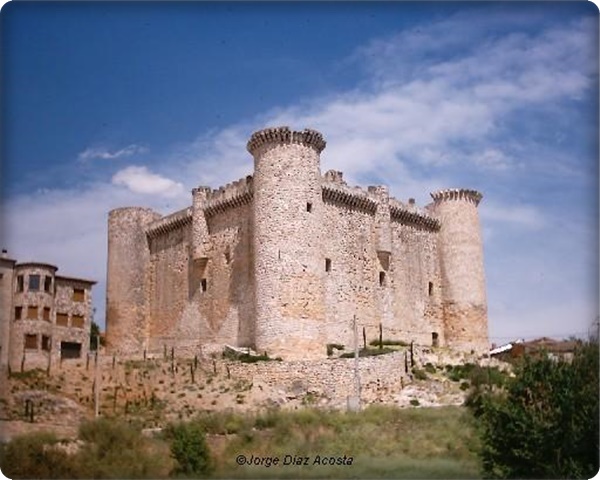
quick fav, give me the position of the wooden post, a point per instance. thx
(412, 353)
(380, 336)
(192, 372)
(228, 372)
(23, 362)
(214, 366)
(113, 361)
(364, 338)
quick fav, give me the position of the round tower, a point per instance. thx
(288, 261)
(461, 259)
(127, 279)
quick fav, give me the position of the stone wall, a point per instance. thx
(284, 260)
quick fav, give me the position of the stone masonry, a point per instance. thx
(44, 317)
(283, 261)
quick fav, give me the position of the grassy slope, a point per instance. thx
(385, 443)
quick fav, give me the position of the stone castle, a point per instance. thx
(286, 261)
(44, 317)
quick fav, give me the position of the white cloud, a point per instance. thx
(141, 180)
(103, 153)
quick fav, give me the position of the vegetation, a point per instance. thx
(94, 336)
(189, 449)
(384, 442)
(110, 449)
(369, 352)
(544, 423)
(333, 346)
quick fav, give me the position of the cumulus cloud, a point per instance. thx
(141, 180)
(102, 153)
(441, 108)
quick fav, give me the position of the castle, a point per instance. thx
(44, 317)
(286, 261)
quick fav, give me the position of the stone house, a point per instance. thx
(44, 317)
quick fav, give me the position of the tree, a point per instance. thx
(94, 336)
(544, 424)
(189, 449)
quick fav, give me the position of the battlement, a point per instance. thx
(231, 195)
(457, 194)
(412, 216)
(169, 223)
(351, 197)
(283, 136)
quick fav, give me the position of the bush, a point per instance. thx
(35, 456)
(401, 343)
(419, 374)
(414, 402)
(115, 449)
(189, 449)
(544, 424)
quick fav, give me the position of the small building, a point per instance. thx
(554, 349)
(44, 317)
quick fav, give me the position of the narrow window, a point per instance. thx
(62, 319)
(328, 264)
(430, 288)
(46, 343)
(31, 342)
(78, 294)
(227, 257)
(77, 321)
(19, 283)
(47, 314)
(18, 313)
(381, 279)
(309, 207)
(434, 339)
(47, 284)
(203, 285)
(32, 313)
(34, 283)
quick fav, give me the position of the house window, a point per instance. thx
(31, 342)
(46, 343)
(70, 350)
(47, 284)
(34, 283)
(203, 285)
(32, 313)
(46, 314)
(309, 207)
(19, 283)
(77, 321)
(78, 294)
(18, 313)
(381, 279)
(328, 264)
(430, 288)
(62, 319)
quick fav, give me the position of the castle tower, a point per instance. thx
(127, 279)
(288, 260)
(461, 260)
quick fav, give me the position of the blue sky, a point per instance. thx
(118, 104)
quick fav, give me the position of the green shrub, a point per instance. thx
(545, 423)
(429, 368)
(419, 374)
(368, 352)
(35, 455)
(401, 343)
(414, 402)
(464, 385)
(189, 449)
(116, 449)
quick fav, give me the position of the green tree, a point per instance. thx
(189, 449)
(544, 424)
(94, 336)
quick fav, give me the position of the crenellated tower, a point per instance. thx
(127, 278)
(288, 257)
(460, 249)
